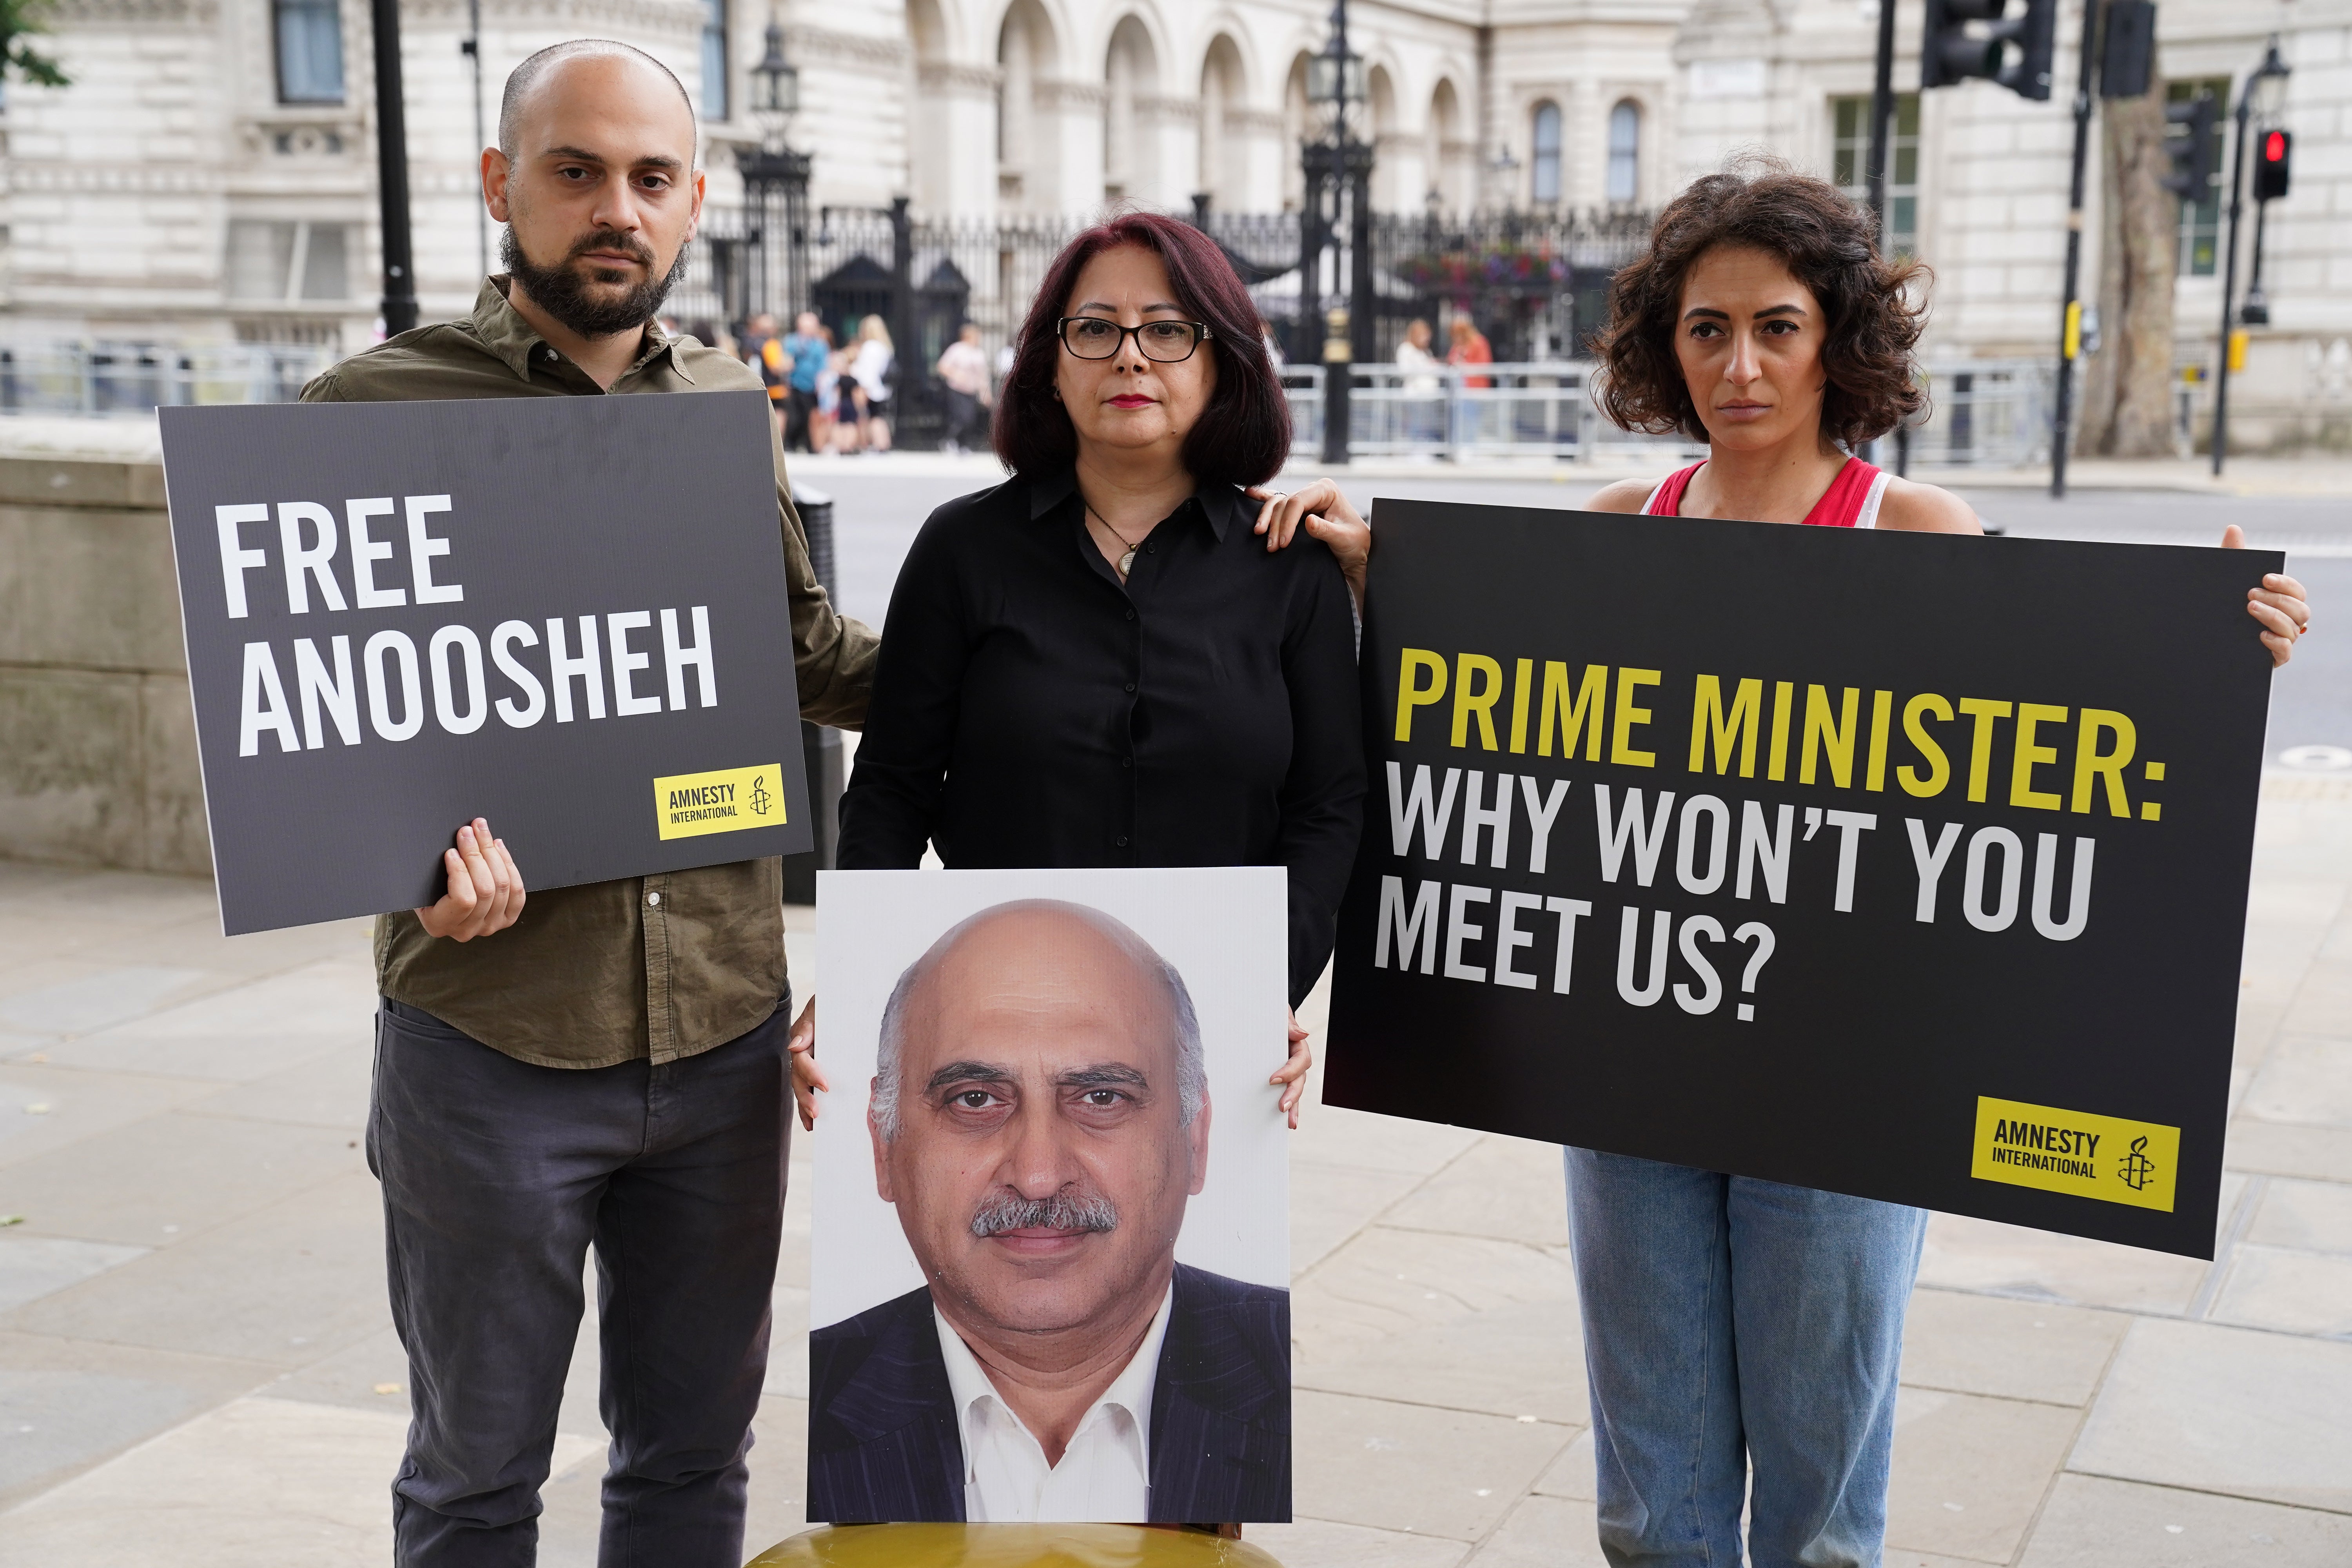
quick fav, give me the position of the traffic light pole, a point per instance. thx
(2271, 66)
(2229, 276)
(1882, 120)
(2070, 325)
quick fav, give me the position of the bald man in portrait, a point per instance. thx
(1040, 1115)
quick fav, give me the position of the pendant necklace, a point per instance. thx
(1126, 562)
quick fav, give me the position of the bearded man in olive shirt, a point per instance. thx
(605, 1064)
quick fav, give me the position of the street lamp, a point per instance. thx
(1337, 77)
(772, 170)
(775, 89)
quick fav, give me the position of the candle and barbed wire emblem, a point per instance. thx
(2138, 1170)
(760, 799)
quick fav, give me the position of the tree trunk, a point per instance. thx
(2135, 276)
(2095, 420)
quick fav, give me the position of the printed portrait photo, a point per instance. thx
(1051, 1257)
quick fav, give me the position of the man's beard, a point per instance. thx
(1069, 1209)
(562, 292)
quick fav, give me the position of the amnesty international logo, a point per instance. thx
(729, 800)
(2076, 1153)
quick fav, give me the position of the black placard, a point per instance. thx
(341, 748)
(2051, 1047)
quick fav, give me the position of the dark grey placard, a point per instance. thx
(559, 507)
(1856, 1052)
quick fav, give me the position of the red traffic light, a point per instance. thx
(2277, 150)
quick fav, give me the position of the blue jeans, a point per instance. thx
(1731, 1322)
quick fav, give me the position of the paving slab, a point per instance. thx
(1328, 1543)
(1508, 1188)
(284, 1284)
(1966, 1344)
(33, 1266)
(1409, 1468)
(2313, 1216)
(164, 1180)
(2307, 1080)
(45, 1108)
(2286, 1289)
(2094, 1522)
(1466, 1321)
(1572, 1474)
(1971, 1471)
(328, 1088)
(1992, 1259)
(66, 1404)
(1331, 1204)
(1544, 1532)
(370, 1372)
(245, 1032)
(2228, 1410)
(1338, 1137)
(257, 1483)
(91, 996)
(2316, 1153)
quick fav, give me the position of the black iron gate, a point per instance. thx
(1534, 284)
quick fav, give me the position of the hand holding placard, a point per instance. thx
(486, 893)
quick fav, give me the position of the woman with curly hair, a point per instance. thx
(1732, 1323)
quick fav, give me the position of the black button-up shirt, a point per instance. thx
(1031, 710)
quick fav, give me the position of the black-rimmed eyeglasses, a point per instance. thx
(1164, 343)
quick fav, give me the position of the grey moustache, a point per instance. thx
(1007, 1211)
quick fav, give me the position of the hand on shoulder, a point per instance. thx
(1913, 508)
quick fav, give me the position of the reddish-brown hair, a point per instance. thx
(1825, 240)
(1244, 434)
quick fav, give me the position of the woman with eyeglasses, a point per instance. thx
(1111, 659)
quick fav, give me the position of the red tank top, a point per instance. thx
(1851, 501)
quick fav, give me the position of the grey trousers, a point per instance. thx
(497, 1176)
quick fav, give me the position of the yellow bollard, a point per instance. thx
(1009, 1546)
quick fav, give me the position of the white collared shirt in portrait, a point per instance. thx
(1105, 1476)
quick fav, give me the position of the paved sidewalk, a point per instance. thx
(194, 1352)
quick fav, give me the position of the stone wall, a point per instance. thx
(97, 743)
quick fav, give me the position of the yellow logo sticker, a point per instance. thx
(2101, 1157)
(726, 800)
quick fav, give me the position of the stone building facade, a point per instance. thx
(210, 174)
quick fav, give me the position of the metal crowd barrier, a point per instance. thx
(102, 378)
(1985, 413)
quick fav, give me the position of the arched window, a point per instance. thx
(1546, 141)
(1625, 152)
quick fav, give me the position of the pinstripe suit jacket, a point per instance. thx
(885, 1446)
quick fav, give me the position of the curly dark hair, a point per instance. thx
(1825, 240)
(1244, 434)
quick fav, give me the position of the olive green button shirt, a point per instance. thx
(663, 966)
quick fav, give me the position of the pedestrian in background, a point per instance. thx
(1470, 347)
(828, 429)
(804, 356)
(869, 372)
(964, 367)
(765, 354)
(1424, 411)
